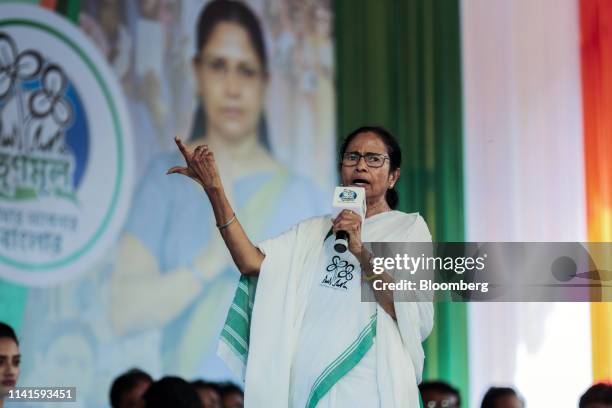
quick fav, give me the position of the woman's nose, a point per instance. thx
(361, 164)
(8, 373)
(232, 84)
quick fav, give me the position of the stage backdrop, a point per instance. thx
(485, 97)
(106, 262)
(524, 176)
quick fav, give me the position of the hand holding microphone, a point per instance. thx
(349, 210)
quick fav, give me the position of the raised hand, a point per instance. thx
(201, 166)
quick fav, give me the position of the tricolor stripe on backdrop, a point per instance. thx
(596, 37)
(538, 97)
(398, 64)
(534, 152)
(524, 176)
(525, 182)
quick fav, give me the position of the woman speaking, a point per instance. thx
(298, 341)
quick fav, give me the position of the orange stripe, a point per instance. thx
(49, 4)
(596, 63)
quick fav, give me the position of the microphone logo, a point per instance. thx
(348, 195)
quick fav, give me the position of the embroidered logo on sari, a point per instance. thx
(338, 273)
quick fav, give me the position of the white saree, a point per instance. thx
(307, 340)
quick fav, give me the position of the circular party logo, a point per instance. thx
(65, 149)
(348, 195)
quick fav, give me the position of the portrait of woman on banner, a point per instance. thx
(172, 270)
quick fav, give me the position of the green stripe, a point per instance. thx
(70, 9)
(238, 323)
(241, 298)
(243, 343)
(404, 73)
(243, 286)
(349, 349)
(240, 312)
(345, 354)
(235, 332)
(234, 341)
(343, 363)
(13, 298)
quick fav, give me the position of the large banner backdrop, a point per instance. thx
(118, 264)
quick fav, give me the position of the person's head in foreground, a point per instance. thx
(208, 393)
(437, 394)
(232, 395)
(370, 158)
(9, 360)
(231, 71)
(127, 389)
(171, 392)
(597, 396)
(501, 397)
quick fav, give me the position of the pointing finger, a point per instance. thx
(184, 151)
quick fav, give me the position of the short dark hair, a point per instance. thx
(7, 331)
(125, 382)
(598, 393)
(393, 151)
(494, 393)
(202, 384)
(172, 392)
(440, 386)
(231, 11)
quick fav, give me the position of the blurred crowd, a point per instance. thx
(437, 394)
(137, 389)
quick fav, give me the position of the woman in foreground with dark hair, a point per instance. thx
(299, 341)
(10, 360)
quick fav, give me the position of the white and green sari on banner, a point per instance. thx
(300, 336)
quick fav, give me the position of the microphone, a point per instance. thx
(347, 198)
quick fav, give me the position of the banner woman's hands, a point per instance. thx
(201, 166)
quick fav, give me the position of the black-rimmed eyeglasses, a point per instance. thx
(350, 159)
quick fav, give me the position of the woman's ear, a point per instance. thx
(393, 177)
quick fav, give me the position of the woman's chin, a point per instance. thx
(235, 132)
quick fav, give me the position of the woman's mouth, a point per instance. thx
(360, 183)
(9, 383)
(232, 112)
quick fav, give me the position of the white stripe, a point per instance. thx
(236, 337)
(243, 287)
(240, 311)
(524, 181)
